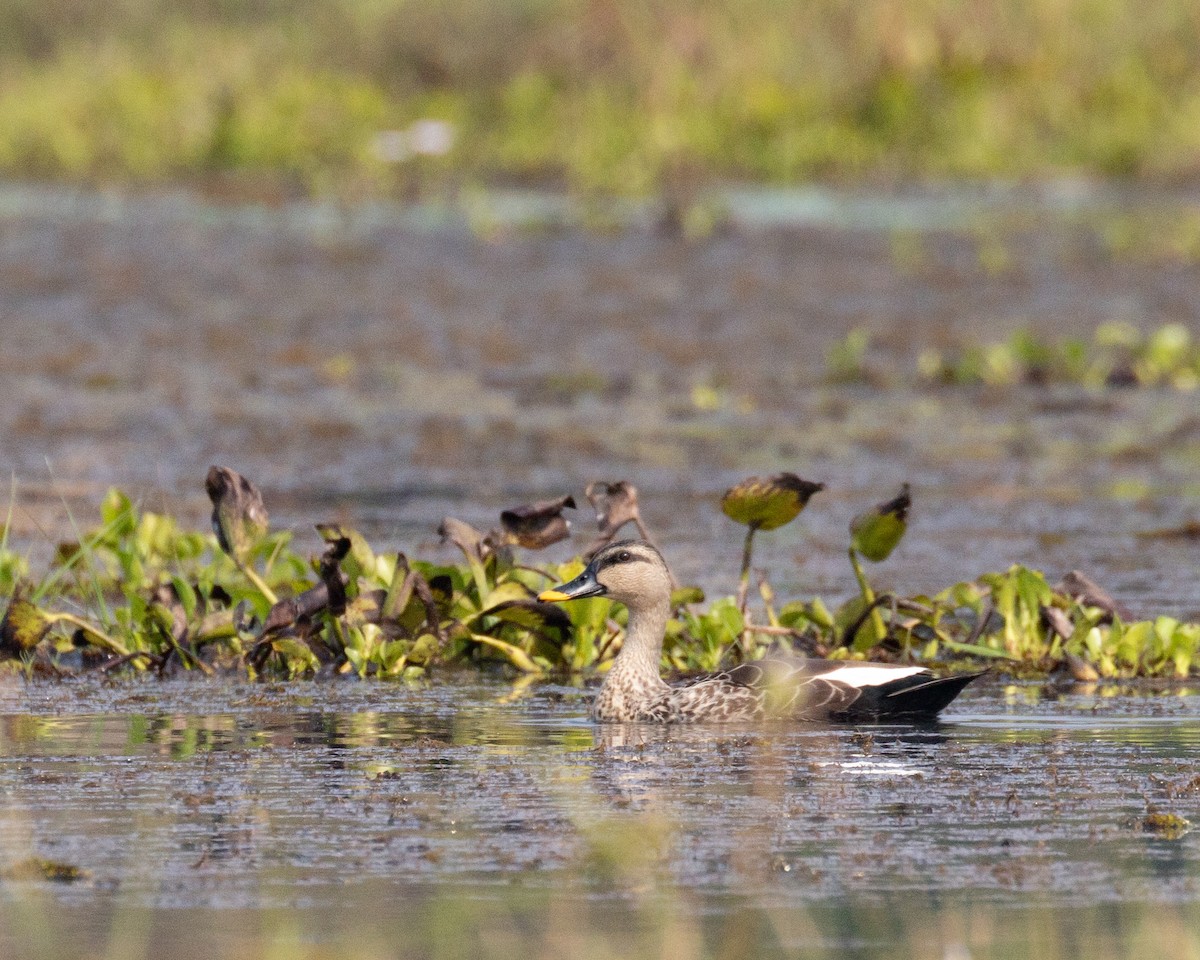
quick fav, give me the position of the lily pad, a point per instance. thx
(766, 503)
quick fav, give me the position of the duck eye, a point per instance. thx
(624, 556)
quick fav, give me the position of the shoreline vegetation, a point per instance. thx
(600, 97)
(138, 593)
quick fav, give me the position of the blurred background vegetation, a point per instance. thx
(597, 96)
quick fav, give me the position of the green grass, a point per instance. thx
(614, 97)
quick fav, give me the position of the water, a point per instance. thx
(475, 800)
(370, 366)
(385, 368)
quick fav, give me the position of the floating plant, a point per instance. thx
(141, 593)
(874, 534)
(765, 503)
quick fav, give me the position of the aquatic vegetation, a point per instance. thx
(765, 504)
(139, 592)
(1118, 355)
(39, 868)
(874, 534)
(1168, 826)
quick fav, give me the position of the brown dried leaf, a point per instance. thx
(399, 591)
(616, 504)
(1079, 669)
(166, 601)
(1084, 590)
(465, 537)
(239, 517)
(537, 525)
(1058, 621)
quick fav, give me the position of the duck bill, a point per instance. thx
(584, 585)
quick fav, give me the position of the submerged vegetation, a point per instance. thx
(140, 593)
(609, 96)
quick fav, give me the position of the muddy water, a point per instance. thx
(225, 807)
(389, 366)
(193, 800)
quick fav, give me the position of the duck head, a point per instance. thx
(631, 572)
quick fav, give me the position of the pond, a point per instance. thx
(388, 366)
(473, 818)
(385, 368)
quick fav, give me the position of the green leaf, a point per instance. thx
(186, 594)
(117, 514)
(515, 655)
(684, 596)
(976, 650)
(22, 628)
(875, 533)
(766, 503)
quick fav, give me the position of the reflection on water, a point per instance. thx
(460, 807)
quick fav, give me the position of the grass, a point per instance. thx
(140, 593)
(611, 97)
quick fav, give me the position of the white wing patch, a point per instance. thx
(870, 676)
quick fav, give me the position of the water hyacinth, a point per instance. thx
(140, 593)
(765, 503)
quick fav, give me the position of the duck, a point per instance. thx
(634, 573)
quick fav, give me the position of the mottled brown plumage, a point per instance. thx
(634, 573)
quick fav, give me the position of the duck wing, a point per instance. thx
(838, 690)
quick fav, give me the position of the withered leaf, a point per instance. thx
(360, 550)
(400, 590)
(1058, 621)
(287, 612)
(533, 615)
(616, 504)
(441, 589)
(537, 525)
(331, 573)
(1077, 668)
(167, 606)
(1084, 590)
(405, 583)
(464, 536)
(239, 517)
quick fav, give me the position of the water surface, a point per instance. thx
(470, 797)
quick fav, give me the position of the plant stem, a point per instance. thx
(113, 646)
(259, 583)
(868, 596)
(747, 553)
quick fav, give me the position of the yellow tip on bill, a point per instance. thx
(549, 596)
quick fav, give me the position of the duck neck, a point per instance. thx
(642, 649)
